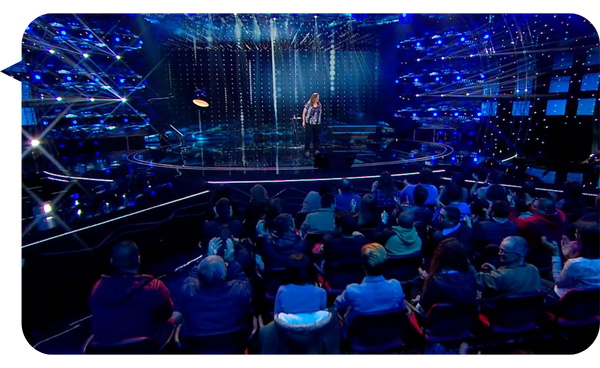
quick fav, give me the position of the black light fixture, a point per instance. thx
(200, 98)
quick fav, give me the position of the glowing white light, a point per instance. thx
(51, 51)
(123, 99)
(86, 55)
(47, 208)
(92, 99)
(35, 143)
(118, 57)
(79, 212)
(59, 98)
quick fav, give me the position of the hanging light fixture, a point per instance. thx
(200, 98)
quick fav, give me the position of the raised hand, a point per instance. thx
(423, 274)
(475, 177)
(353, 205)
(214, 245)
(384, 217)
(551, 245)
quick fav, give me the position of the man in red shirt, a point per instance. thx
(126, 305)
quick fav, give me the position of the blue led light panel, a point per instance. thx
(559, 84)
(524, 86)
(586, 106)
(520, 108)
(589, 82)
(563, 60)
(489, 108)
(556, 107)
(593, 57)
(491, 89)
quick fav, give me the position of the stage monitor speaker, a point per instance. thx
(335, 160)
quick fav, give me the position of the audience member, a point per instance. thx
(242, 255)
(493, 177)
(572, 203)
(345, 199)
(375, 294)
(272, 210)
(458, 179)
(425, 177)
(312, 202)
(405, 239)
(368, 216)
(449, 279)
(384, 190)
(323, 220)
(223, 216)
(126, 304)
(582, 267)
(342, 247)
(546, 221)
(298, 294)
(256, 207)
(453, 193)
(451, 227)
(222, 191)
(281, 243)
(496, 228)
(514, 276)
(216, 295)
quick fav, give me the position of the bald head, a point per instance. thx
(515, 249)
(125, 256)
(545, 206)
(212, 271)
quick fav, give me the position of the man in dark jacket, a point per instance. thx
(282, 243)
(451, 227)
(216, 295)
(546, 221)
(496, 228)
(223, 212)
(322, 220)
(125, 304)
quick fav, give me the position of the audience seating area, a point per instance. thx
(449, 326)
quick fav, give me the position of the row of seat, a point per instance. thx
(510, 318)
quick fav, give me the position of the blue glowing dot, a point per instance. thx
(486, 36)
(101, 121)
(453, 158)
(439, 42)
(76, 196)
(74, 122)
(397, 46)
(482, 75)
(418, 43)
(132, 204)
(38, 77)
(63, 33)
(435, 114)
(147, 119)
(95, 143)
(462, 38)
(416, 79)
(170, 185)
(27, 29)
(90, 36)
(122, 80)
(81, 144)
(62, 146)
(45, 122)
(474, 159)
(152, 193)
(403, 15)
(97, 153)
(126, 120)
(478, 114)
(455, 114)
(68, 78)
(117, 39)
(96, 80)
(437, 78)
(433, 157)
(108, 171)
(470, 143)
(414, 114)
(397, 81)
(140, 42)
(458, 77)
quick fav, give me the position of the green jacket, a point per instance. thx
(404, 241)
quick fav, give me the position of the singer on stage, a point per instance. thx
(311, 120)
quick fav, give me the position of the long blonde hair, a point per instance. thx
(313, 98)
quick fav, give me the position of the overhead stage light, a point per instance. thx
(35, 143)
(200, 98)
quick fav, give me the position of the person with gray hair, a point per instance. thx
(216, 295)
(514, 276)
(375, 294)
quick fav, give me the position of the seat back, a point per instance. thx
(516, 312)
(273, 278)
(136, 345)
(340, 274)
(370, 333)
(403, 268)
(449, 322)
(228, 343)
(580, 305)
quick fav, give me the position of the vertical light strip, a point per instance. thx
(273, 36)
(238, 36)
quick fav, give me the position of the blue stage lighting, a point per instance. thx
(74, 122)
(101, 121)
(455, 114)
(414, 114)
(122, 80)
(68, 78)
(482, 75)
(403, 15)
(38, 77)
(126, 120)
(76, 196)
(458, 77)
(416, 79)
(397, 46)
(486, 36)
(90, 36)
(453, 158)
(439, 42)
(435, 114)
(140, 42)
(117, 39)
(418, 43)
(478, 114)
(95, 143)
(152, 193)
(44, 122)
(397, 81)
(474, 159)
(97, 153)
(107, 171)
(96, 80)
(63, 33)
(437, 78)
(462, 38)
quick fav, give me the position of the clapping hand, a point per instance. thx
(551, 245)
(488, 267)
(353, 205)
(214, 245)
(423, 274)
(384, 217)
(475, 177)
(569, 249)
